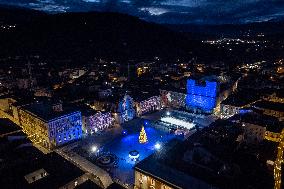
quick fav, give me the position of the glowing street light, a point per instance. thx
(168, 113)
(94, 148)
(158, 146)
(145, 122)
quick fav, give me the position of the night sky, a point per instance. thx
(170, 11)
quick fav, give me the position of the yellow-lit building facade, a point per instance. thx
(8, 110)
(273, 107)
(278, 114)
(279, 138)
(276, 137)
(143, 181)
(274, 98)
(35, 128)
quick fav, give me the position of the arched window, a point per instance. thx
(152, 182)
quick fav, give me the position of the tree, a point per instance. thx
(142, 136)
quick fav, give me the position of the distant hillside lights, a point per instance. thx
(6, 27)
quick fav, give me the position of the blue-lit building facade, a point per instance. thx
(126, 109)
(65, 129)
(201, 95)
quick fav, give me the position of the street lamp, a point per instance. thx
(94, 148)
(158, 146)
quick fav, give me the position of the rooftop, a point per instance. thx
(280, 93)
(21, 158)
(45, 111)
(86, 110)
(209, 159)
(271, 123)
(115, 186)
(87, 185)
(269, 105)
(155, 166)
(242, 98)
(177, 90)
(7, 126)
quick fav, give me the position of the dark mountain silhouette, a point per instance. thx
(13, 14)
(88, 35)
(81, 37)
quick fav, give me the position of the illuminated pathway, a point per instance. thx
(100, 176)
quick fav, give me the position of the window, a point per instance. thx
(165, 187)
(153, 182)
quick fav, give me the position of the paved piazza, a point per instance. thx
(110, 149)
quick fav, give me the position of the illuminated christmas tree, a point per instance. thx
(143, 136)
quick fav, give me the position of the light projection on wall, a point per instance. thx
(148, 105)
(126, 108)
(203, 102)
(101, 121)
(66, 128)
(172, 99)
(201, 95)
(206, 88)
